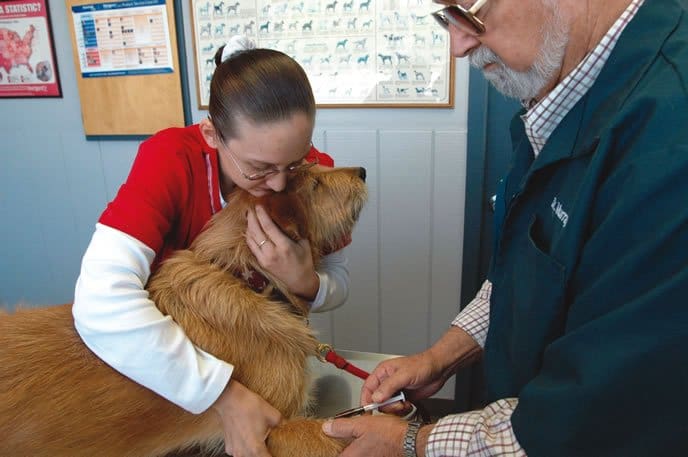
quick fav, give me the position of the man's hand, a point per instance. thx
(420, 375)
(379, 436)
(246, 420)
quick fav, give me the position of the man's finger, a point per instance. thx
(369, 386)
(389, 387)
(340, 428)
(397, 408)
(379, 382)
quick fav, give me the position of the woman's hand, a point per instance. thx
(291, 262)
(246, 420)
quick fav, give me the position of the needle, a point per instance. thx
(370, 407)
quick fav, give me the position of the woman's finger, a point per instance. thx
(254, 231)
(268, 226)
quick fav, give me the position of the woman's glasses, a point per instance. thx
(460, 17)
(272, 170)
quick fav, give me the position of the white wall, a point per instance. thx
(407, 251)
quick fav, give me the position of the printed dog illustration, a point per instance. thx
(57, 399)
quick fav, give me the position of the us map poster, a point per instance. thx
(27, 58)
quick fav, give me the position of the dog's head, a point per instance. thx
(320, 205)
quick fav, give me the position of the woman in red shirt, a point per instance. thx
(262, 113)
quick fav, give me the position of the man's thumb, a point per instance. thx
(340, 428)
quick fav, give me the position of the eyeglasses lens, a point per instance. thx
(460, 18)
(271, 171)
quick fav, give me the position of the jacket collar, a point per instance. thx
(637, 48)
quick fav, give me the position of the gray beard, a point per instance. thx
(526, 85)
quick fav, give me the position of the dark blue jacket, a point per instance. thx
(589, 308)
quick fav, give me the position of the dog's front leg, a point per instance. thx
(303, 437)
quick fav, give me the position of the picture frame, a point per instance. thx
(356, 53)
(28, 67)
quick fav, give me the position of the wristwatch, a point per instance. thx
(410, 439)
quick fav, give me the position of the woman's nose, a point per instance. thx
(277, 182)
(462, 43)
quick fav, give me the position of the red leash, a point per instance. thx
(327, 353)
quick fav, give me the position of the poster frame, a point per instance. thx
(33, 90)
(404, 91)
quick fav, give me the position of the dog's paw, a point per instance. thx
(304, 438)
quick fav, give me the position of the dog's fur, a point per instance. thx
(57, 399)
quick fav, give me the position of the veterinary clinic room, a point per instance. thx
(357, 228)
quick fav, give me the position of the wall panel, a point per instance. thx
(53, 213)
(447, 230)
(116, 159)
(447, 236)
(405, 202)
(356, 323)
(25, 272)
(86, 189)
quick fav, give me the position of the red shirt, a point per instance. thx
(172, 191)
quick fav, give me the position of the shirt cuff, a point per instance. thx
(333, 274)
(485, 432)
(474, 319)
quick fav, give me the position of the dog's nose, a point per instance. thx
(362, 173)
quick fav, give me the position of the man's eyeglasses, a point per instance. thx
(460, 17)
(272, 170)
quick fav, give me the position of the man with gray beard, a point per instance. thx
(581, 323)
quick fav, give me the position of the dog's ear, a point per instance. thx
(286, 210)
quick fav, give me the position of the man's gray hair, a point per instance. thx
(526, 85)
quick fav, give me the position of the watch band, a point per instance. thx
(410, 439)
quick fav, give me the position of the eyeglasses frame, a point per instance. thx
(470, 15)
(274, 170)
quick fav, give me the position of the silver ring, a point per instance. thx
(260, 245)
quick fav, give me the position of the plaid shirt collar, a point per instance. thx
(543, 117)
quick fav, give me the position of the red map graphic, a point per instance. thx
(15, 50)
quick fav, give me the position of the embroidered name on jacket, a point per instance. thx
(559, 212)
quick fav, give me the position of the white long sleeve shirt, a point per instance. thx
(121, 325)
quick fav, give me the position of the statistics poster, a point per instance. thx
(27, 58)
(123, 38)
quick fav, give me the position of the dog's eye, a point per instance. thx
(315, 183)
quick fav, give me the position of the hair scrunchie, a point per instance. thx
(236, 44)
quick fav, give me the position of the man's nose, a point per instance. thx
(462, 43)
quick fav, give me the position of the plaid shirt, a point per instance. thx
(542, 118)
(489, 432)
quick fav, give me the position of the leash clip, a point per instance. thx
(322, 351)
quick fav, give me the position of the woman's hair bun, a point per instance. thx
(234, 45)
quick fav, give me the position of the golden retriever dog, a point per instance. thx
(57, 399)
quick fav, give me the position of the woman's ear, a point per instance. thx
(209, 134)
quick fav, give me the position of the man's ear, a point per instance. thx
(209, 134)
(287, 213)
